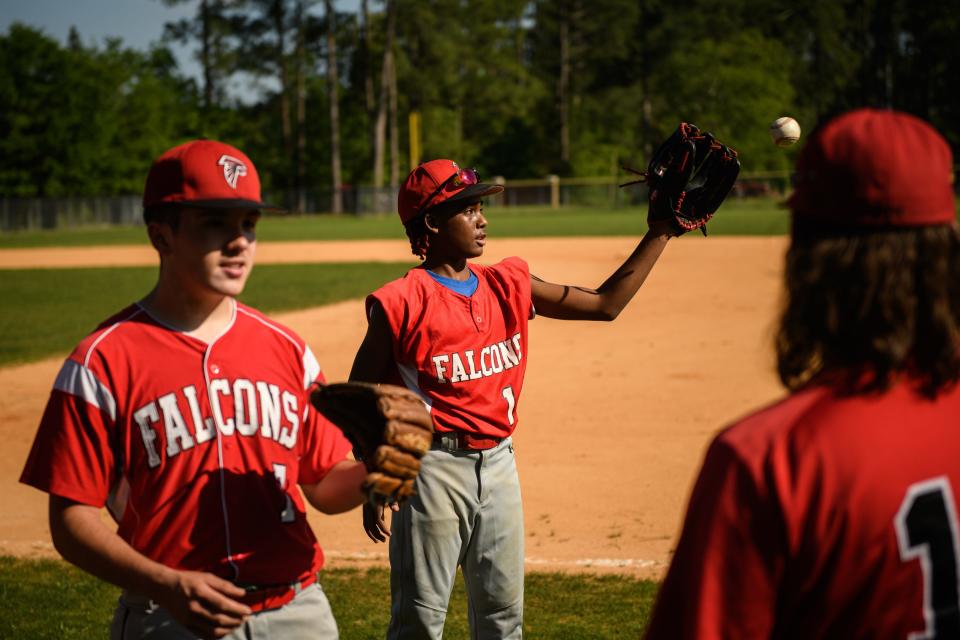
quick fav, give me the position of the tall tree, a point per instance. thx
(394, 126)
(211, 28)
(563, 82)
(301, 88)
(369, 97)
(387, 79)
(336, 182)
(277, 11)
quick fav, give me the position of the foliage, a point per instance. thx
(484, 75)
(85, 121)
(556, 605)
(742, 64)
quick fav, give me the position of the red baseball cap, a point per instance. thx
(205, 174)
(873, 167)
(430, 184)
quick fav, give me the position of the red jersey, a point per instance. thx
(823, 517)
(465, 356)
(195, 448)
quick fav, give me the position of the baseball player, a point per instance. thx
(833, 512)
(456, 333)
(187, 415)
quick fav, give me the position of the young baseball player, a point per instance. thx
(455, 332)
(833, 512)
(187, 415)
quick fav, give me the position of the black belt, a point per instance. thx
(460, 441)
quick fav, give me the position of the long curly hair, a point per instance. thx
(864, 307)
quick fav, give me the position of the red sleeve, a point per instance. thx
(71, 455)
(324, 444)
(517, 283)
(395, 300)
(722, 582)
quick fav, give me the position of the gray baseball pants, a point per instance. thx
(467, 512)
(307, 616)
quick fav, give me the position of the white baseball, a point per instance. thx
(785, 131)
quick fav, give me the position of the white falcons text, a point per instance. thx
(473, 365)
(257, 408)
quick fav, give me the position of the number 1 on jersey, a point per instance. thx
(926, 525)
(507, 394)
(288, 514)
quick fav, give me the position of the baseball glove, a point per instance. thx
(688, 177)
(390, 430)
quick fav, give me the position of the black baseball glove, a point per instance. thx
(690, 174)
(390, 430)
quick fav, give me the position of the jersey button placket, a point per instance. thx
(227, 444)
(476, 315)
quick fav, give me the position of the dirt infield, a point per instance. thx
(614, 417)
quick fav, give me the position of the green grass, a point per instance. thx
(47, 311)
(49, 598)
(737, 217)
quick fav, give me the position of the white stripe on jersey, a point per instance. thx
(409, 375)
(93, 347)
(311, 368)
(272, 326)
(79, 381)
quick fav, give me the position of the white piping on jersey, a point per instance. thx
(311, 367)
(223, 490)
(78, 380)
(93, 346)
(409, 375)
(272, 326)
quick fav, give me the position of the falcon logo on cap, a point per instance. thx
(232, 169)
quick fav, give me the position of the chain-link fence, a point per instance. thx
(25, 214)
(52, 213)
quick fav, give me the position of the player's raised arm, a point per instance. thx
(568, 302)
(688, 177)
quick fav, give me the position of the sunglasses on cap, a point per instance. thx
(462, 178)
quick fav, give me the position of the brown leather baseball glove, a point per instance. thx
(389, 427)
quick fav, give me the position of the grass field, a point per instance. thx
(737, 217)
(52, 309)
(53, 599)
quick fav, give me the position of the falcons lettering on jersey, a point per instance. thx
(259, 408)
(233, 169)
(472, 364)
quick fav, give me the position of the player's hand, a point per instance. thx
(373, 522)
(205, 603)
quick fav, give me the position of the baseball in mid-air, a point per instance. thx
(785, 131)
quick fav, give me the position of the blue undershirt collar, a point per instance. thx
(463, 287)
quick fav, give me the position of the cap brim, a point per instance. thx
(476, 191)
(238, 203)
(472, 193)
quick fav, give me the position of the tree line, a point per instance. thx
(514, 88)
